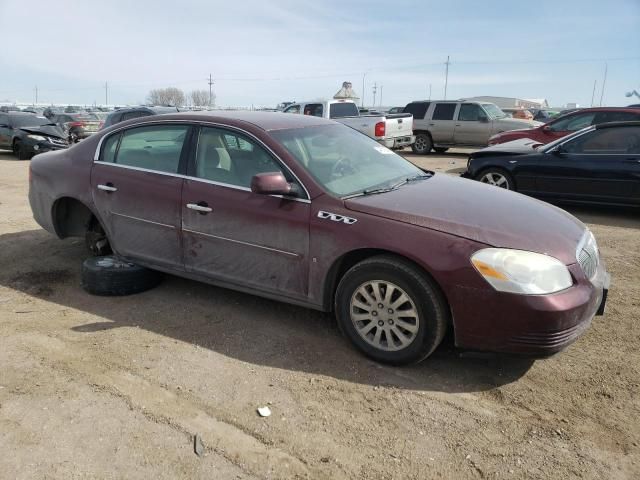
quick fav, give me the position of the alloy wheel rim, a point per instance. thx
(496, 179)
(384, 315)
(421, 143)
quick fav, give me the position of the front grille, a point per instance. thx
(588, 256)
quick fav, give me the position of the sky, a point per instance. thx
(264, 52)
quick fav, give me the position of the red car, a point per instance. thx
(311, 212)
(569, 123)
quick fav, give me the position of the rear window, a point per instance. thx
(418, 110)
(444, 111)
(339, 110)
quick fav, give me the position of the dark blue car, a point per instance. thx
(599, 164)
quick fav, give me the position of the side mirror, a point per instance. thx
(559, 151)
(272, 183)
(546, 128)
(483, 119)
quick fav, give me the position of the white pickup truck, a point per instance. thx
(392, 130)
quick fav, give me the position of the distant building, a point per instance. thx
(510, 102)
(346, 92)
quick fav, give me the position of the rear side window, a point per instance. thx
(604, 117)
(417, 109)
(340, 110)
(444, 111)
(313, 109)
(136, 114)
(157, 147)
(469, 112)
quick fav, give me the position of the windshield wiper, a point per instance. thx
(373, 191)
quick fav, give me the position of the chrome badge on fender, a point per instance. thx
(336, 218)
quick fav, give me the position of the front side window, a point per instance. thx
(444, 111)
(293, 109)
(343, 160)
(228, 157)
(572, 123)
(609, 141)
(156, 147)
(470, 112)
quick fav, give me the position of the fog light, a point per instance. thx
(36, 148)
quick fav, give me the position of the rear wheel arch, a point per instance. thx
(71, 217)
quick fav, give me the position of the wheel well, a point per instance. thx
(426, 132)
(348, 260)
(501, 169)
(71, 217)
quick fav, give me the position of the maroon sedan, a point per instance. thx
(311, 212)
(563, 125)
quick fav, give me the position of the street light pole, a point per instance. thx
(446, 77)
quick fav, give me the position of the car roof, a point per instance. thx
(264, 120)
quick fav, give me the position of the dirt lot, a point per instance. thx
(96, 387)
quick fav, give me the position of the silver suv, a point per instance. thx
(440, 124)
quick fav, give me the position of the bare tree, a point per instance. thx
(166, 96)
(200, 98)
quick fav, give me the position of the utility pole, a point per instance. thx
(604, 81)
(36, 90)
(446, 76)
(106, 94)
(362, 99)
(210, 82)
(380, 95)
(593, 94)
(375, 88)
(429, 91)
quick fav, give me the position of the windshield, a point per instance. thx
(493, 111)
(20, 121)
(345, 161)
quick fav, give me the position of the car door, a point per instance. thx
(602, 165)
(442, 123)
(234, 235)
(136, 185)
(5, 131)
(472, 126)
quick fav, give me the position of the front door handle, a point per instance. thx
(108, 188)
(201, 207)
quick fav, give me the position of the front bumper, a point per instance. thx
(398, 142)
(533, 325)
(38, 146)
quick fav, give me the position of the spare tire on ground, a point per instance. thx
(113, 276)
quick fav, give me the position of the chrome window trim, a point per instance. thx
(96, 155)
(196, 179)
(284, 252)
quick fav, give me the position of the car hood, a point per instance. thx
(479, 212)
(50, 130)
(516, 123)
(515, 147)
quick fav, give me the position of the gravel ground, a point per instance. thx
(95, 387)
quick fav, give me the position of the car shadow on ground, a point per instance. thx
(625, 217)
(237, 325)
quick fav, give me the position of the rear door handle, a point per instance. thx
(108, 188)
(201, 207)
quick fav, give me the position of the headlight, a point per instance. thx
(37, 138)
(518, 271)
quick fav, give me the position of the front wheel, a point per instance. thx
(20, 151)
(497, 177)
(391, 310)
(423, 144)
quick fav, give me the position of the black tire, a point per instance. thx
(19, 150)
(495, 171)
(423, 144)
(95, 239)
(111, 276)
(433, 312)
(440, 149)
